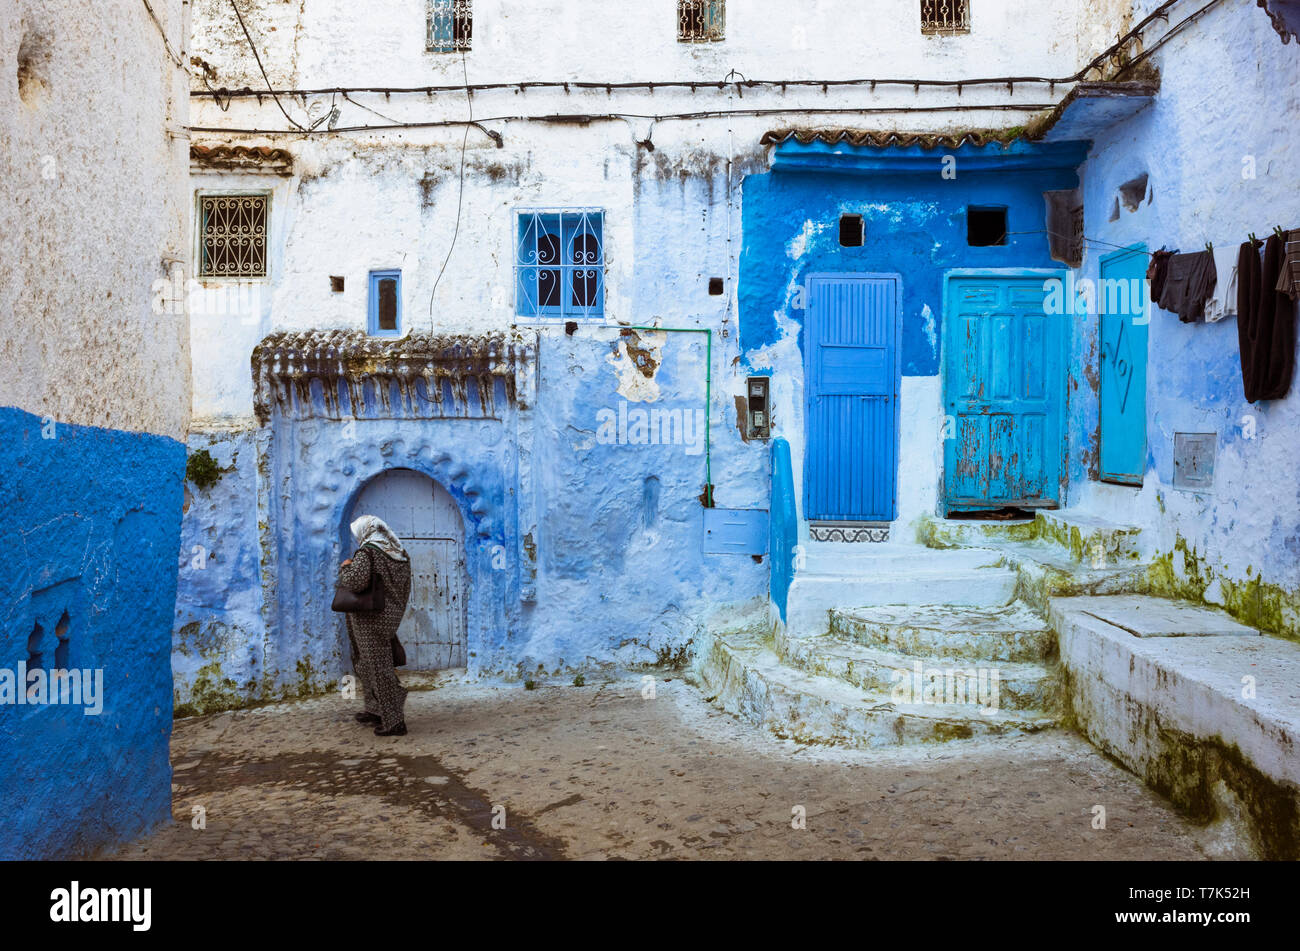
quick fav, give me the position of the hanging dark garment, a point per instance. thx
(1188, 285)
(1157, 270)
(1265, 323)
(1288, 278)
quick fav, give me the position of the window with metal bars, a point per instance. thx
(451, 25)
(560, 264)
(945, 16)
(700, 21)
(232, 235)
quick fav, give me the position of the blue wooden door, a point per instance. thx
(1122, 303)
(1004, 393)
(851, 369)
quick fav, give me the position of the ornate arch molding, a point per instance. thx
(341, 374)
(316, 522)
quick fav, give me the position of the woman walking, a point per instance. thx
(379, 556)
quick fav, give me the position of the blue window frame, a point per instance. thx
(385, 318)
(560, 264)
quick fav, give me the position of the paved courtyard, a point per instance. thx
(600, 772)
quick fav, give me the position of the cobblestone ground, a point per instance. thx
(598, 772)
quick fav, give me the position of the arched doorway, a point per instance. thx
(427, 520)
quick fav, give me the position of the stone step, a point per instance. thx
(1090, 539)
(1084, 539)
(1008, 633)
(1048, 571)
(812, 598)
(748, 678)
(1019, 686)
(958, 533)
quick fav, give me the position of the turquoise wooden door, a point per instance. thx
(1004, 393)
(852, 375)
(1122, 303)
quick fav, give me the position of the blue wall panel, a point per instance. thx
(92, 529)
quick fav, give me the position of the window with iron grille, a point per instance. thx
(232, 235)
(945, 16)
(560, 264)
(451, 25)
(700, 21)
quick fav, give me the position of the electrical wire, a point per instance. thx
(253, 46)
(460, 196)
(175, 57)
(584, 118)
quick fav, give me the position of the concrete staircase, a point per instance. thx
(895, 644)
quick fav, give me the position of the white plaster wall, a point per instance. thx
(1230, 90)
(359, 201)
(382, 42)
(93, 161)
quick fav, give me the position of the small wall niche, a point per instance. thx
(986, 225)
(852, 231)
(1132, 192)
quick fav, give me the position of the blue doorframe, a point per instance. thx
(1004, 388)
(852, 371)
(1122, 412)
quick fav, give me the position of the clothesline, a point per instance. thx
(1209, 245)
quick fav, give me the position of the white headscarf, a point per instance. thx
(370, 530)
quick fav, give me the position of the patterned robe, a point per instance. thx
(371, 633)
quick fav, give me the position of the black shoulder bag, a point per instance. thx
(370, 600)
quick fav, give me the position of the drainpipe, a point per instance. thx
(708, 397)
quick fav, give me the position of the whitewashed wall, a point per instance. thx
(92, 213)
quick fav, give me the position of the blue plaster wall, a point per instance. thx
(92, 528)
(915, 226)
(218, 639)
(623, 575)
(1245, 529)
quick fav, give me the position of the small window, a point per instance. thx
(945, 16)
(451, 25)
(560, 264)
(986, 226)
(700, 21)
(232, 235)
(852, 231)
(385, 303)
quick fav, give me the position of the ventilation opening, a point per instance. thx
(61, 651)
(715, 286)
(33, 68)
(852, 231)
(1133, 191)
(1007, 513)
(986, 226)
(336, 284)
(35, 657)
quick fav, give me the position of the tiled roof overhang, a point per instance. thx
(1285, 16)
(1057, 139)
(241, 158)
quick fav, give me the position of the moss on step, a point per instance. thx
(1188, 769)
(1184, 573)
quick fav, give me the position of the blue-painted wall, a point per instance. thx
(915, 224)
(92, 520)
